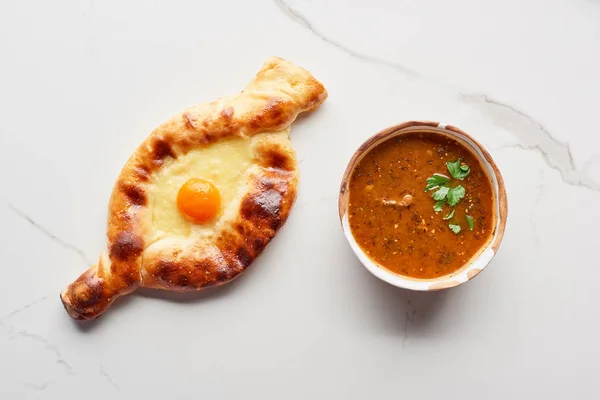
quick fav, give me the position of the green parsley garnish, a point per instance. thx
(455, 194)
(458, 171)
(455, 228)
(441, 193)
(447, 217)
(436, 180)
(449, 195)
(470, 222)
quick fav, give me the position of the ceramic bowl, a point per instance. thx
(481, 259)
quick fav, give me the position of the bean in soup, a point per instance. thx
(423, 234)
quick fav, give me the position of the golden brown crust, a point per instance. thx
(263, 210)
(270, 102)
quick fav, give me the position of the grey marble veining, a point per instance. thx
(83, 82)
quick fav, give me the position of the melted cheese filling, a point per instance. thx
(223, 163)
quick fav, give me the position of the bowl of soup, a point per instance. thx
(423, 205)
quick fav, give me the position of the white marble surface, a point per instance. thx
(83, 82)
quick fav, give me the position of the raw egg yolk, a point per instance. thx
(198, 200)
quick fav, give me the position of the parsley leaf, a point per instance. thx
(438, 206)
(454, 195)
(447, 217)
(436, 180)
(441, 193)
(455, 228)
(470, 222)
(458, 171)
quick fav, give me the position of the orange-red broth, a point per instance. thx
(414, 240)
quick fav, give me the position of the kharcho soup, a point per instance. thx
(421, 205)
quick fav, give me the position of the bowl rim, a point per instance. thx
(481, 259)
